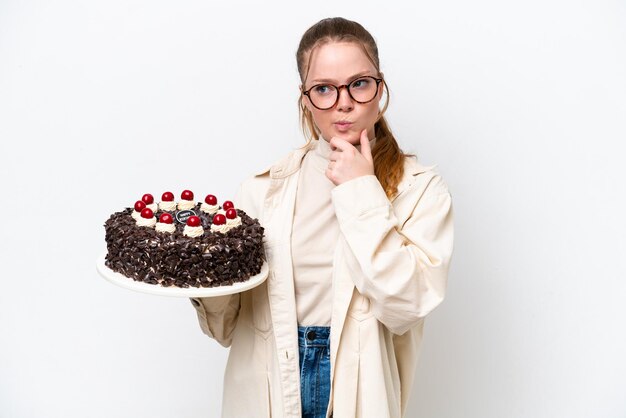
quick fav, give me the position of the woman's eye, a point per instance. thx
(360, 83)
(322, 89)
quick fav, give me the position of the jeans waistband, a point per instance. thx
(313, 336)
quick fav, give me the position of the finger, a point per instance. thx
(340, 144)
(329, 175)
(334, 155)
(366, 150)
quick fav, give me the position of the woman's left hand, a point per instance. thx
(346, 162)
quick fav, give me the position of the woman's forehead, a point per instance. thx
(339, 62)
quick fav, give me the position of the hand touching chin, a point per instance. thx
(353, 137)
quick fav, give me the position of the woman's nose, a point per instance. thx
(344, 102)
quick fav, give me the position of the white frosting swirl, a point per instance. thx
(163, 227)
(210, 209)
(193, 231)
(136, 215)
(146, 222)
(168, 206)
(232, 223)
(153, 207)
(186, 204)
(220, 228)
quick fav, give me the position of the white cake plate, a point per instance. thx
(189, 292)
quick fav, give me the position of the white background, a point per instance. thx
(521, 104)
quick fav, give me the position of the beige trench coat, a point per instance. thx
(390, 270)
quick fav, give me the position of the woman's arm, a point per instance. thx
(404, 268)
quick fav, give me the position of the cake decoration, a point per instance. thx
(210, 205)
(186, 201)
(148, 199)
(232, 220)
(193, 228)
(155, 248)
(147, 218)
(167, 202)
(165, 224)
(183, 215)
(219, 224)
(139, 206)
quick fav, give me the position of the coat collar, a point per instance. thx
(411, 169)
(289, 164)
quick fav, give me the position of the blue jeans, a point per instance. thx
(314, 344)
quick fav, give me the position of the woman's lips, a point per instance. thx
(343, 126)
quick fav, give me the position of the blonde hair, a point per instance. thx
(387, 155)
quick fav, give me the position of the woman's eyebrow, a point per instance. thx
(330, 80)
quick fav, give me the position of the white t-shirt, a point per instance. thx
(314, 238)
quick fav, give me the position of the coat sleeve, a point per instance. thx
(404, 268)
(218, 315)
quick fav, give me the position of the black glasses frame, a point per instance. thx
(338, 88)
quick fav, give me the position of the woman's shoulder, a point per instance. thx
(425, 178)
(254, 187)
(284, 166)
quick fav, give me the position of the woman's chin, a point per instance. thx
(350, 136)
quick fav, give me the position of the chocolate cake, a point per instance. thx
(184, 244)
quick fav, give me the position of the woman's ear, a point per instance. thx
(305, 100)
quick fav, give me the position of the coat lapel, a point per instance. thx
(278, 213)
(343, 287)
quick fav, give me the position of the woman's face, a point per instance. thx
(340, 63)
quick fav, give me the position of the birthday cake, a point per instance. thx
(185, 243)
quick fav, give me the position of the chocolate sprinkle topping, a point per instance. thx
(213, 259)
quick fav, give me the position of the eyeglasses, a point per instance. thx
(362, 90)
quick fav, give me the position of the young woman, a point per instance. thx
(359, 238)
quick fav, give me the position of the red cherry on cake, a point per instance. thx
(193, 221)
(139, 206)
(167, 197)
(147, 199)
(210, 200)
(147, 213)
(166, 218)
(219, 219)
(227, 205)
(186, 195)
(231, 213)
